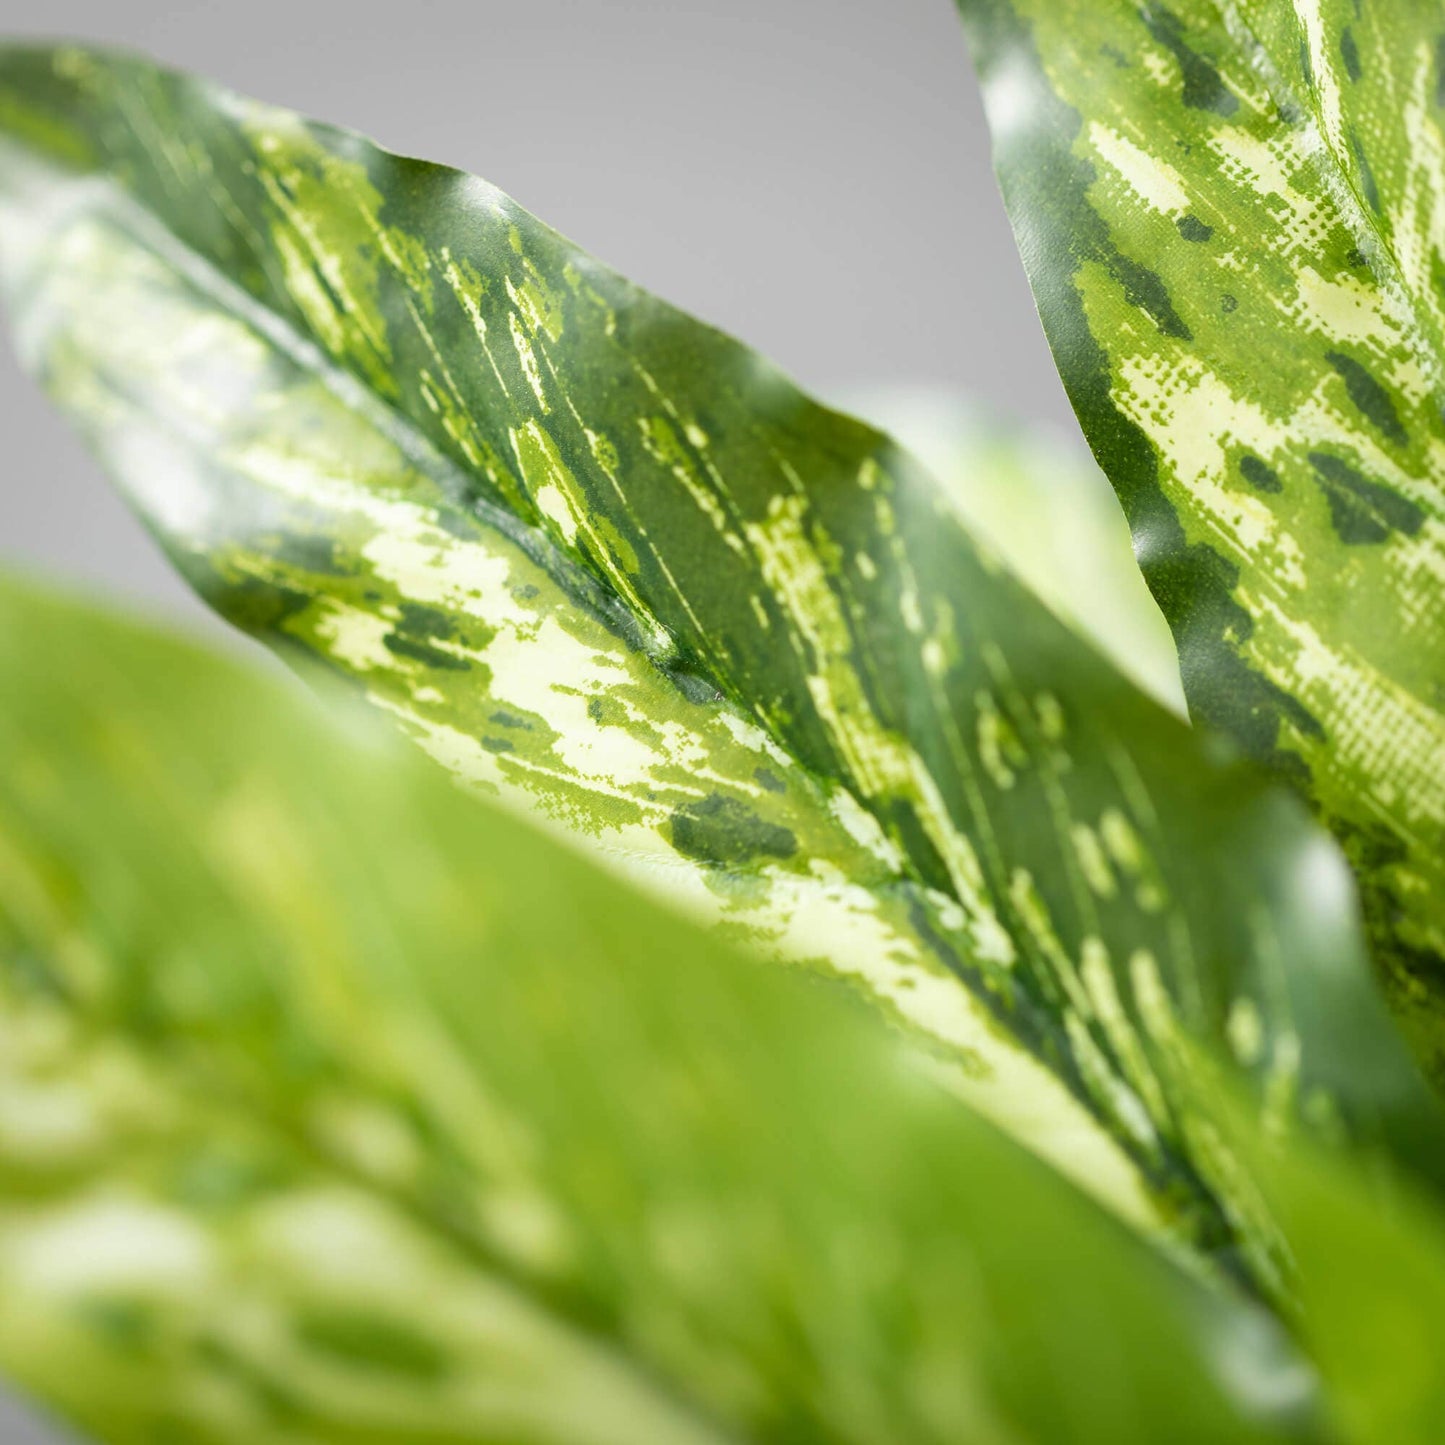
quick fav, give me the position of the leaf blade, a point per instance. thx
(967, 792)
(1259, 374)
(737, 1180)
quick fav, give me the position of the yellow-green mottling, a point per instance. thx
(337, 1108)
(1233, 212)
(605, 563)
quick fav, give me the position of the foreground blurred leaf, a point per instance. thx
(1233, 216)
(601, 559)
(174, 1269)
(334, 1107)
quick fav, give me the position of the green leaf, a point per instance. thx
(606, 562)
(1231, 216)
(173, 1268)
(1049, 512)
(335, 1107)
(1370, 1270)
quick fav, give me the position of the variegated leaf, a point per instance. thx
(335, 1107)
(172, 1269)
(1370, 1267)
(1049, 513)
(1233, 216)
(606, 562)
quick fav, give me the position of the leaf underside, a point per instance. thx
(1233, 215)
(607, 563)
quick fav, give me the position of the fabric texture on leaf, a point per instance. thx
(1233, 217)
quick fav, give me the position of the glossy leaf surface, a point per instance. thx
(335, 1106)
(607, 562)
(1233, 217)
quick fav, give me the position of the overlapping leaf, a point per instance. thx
(604, 560)
(335, 1107)
(1233, 216)
(1049, 513)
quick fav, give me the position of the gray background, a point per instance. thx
(811, 175)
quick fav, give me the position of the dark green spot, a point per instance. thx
(1193, 229)
(419, 621)
(1372, 400)
(504, 719)
(401, 646)
(1259, 476)
(499, 745)
(1350, 54)
(253, 604)
(1114, 54)
(1306, 64)
(127, 1326)
(310, 553)
(594, 708)
(1362, 511)
(1204, 87)
(373, 1342)
(1367, 175)
(719, 829)
(1143, 288)
(1228, 303)
(764, 779)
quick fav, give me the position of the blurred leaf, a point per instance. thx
(335, 1107)
(174, 1269)
(1369, 1269)
(605, 561)
(1232, 219)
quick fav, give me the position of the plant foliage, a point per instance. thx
(1234, 220)
(339, 1105)
(326, 1137)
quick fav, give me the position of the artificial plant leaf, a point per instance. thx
(606, 561)
(1369, 1260)
(173, 1268)
(1232, 218)
(335, 1106)
(1050, 514)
